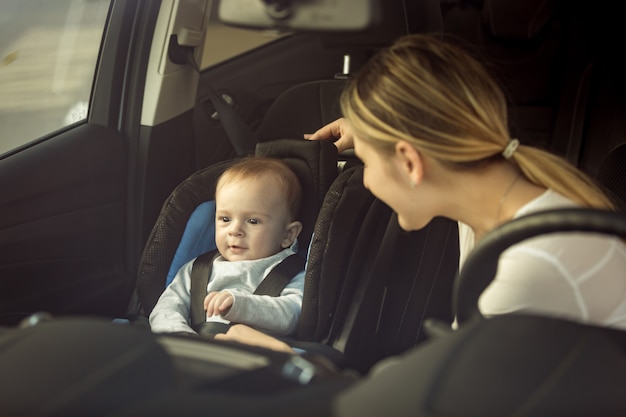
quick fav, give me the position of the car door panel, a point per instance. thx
(62, 225)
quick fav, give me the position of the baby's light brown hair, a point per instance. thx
(256, 166)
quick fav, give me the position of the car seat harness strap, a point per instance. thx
(272, 285)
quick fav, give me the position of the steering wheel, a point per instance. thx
(481, 265)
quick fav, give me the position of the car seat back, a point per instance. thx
(369, 285)
(301, 109)
(185, 226)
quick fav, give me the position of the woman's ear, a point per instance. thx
(411, 162)
(291, 233)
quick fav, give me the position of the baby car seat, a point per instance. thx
(184, 228)
(369, 285)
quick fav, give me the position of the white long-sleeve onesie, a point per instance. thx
(275, 315)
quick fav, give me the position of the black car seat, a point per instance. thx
(370, 285)
(174, 240)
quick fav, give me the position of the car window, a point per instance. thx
(48, 52)
(223, 42)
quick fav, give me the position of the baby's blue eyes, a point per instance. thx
(226, 219)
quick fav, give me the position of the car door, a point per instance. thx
(76, 167)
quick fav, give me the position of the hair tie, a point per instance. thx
(510, 149)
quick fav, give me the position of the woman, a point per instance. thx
(430, 126)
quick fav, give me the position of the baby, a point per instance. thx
(257, 201)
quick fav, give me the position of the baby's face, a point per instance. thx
(251, 219)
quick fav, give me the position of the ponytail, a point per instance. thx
(440, 99)
(550, 171)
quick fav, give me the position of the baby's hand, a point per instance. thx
(218, 303)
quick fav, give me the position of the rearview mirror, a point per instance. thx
(305, 15)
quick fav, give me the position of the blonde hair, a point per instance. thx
(434, 95)
(255, 166)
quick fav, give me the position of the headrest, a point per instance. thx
(517, 19)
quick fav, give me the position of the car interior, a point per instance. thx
(88, 244)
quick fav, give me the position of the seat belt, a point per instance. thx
(200, 273)
(272, 285)
(239, 133)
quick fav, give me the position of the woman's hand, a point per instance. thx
(338, 129)
(241, 333)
